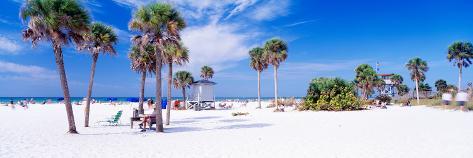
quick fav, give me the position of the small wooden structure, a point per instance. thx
(202, 95)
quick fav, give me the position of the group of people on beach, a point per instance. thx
(461, 98)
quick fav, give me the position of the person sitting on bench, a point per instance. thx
(148, 118)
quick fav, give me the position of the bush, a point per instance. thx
(469, 106)
(383, 98)
(330, 94)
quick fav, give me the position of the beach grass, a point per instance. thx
(438, 104)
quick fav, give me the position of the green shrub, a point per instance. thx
(330, 94)
(383, 98)
(469, 106)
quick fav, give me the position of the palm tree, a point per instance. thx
(159, 23)
(57, 21)
(417, 67)
(142, 61)
(397, 80)
(402, 90)
(275, 52)
(366, 79)
(173, 54)
(441, 85)
(206, 72)
(258, 63)
(183, 80)
(100, 39)
(462, 54)
(425, 87)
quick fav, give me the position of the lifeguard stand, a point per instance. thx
(202, 95)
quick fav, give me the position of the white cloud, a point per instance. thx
(241, 6)
(196, 9)
(9, 70)
(213, 41)
(219, 46)
(299, 23)
(8, 46)
(270, 9)
(133, 3)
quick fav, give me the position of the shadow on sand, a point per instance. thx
(194, 129)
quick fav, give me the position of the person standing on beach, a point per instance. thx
(446, 99)
(462, 98)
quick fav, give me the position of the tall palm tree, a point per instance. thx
(461, 53)
(275, 52)
(366, 79)
(173, 53)
(183, 80)
(159, 23)
(142, 61)
(206, 72)
(100, 39)
(258, 63)
(57, 21)
(417, 67)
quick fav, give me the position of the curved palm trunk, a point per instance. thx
(417, 91)
(168, 107)
(95, 56)
(184, 96)
(259, 89)
(65, 88)
(276, 87)
(159, 113)
(142, 93)
(460, 77)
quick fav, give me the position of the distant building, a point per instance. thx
(388, 87)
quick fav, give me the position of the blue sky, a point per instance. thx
(325, 38)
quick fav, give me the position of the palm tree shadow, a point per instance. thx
(233, 120)
(241, 126)
(204, 117)
(183, 121)
(110, 133)
(183, 129)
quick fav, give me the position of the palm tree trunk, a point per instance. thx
(95, 56)
(142, 93)
(460, 78)
(159, 114)
(65, 88)
(168, 107)
(417, 90)
(259, 89)
(276, 87)
(184, 96)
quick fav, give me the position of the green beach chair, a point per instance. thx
(114, 120)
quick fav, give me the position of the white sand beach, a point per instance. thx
(40, 131)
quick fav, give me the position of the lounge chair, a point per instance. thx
(114, 120)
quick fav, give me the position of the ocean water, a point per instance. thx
(4, 100)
